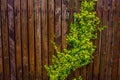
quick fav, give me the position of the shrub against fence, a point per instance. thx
(28, 26)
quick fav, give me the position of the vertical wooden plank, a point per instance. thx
(83, 73)
(1, 61)
(118, 29)
(64, 24)
(71, 9)
(4, 17)
(31, 39)
(44, 39)
(104, 42)
(116, 41)
(51, 29)
(110, 41)
(11, 39)
(18, 39)
(1, 56)
(98, 45)
(24, 39)
(77, 73)
(78, 4)
(38, 39)
(58, 24)
(89, 71)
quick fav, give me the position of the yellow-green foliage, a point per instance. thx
(81, 48)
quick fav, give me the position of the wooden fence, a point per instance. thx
(27, 28)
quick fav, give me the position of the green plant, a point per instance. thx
(81, 48)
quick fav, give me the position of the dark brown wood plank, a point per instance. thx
(119, 65)
(77, 73)
(58, 24)
(96, 64)
(104, 42)
(116, 41)
(71, 9)
(96, 59)
(71, 75)
(89, 71)
(11, 39)
(118, 33)
(78, 4)
(51, 29)
(31, 39)
(98, 45)
(5, 40)
(110, 41)
(38, 39)
(44, 39)
(24, 39)
(18, 39)
(1, 55)
(84, 72)
(115, 57)
(64, 24)
(1, 61)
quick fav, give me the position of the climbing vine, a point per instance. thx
(81, 48)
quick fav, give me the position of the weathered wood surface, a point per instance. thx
(28, 29)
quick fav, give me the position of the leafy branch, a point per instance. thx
(81, 48)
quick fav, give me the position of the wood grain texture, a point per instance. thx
(31, 39)
(116, 42)
(89, 71)
(98, 45)
(1, 54)
(28, 28)
(24, 32)
(58, 24)
(11, 39)
(38, 46)
(78, 5)
(1, 59)
(51, 29)
(84, 72)
(64, 24)
(110, 41)
(118, 37)
(44, 39)
(104, 41)
(71, 9)
(18, 39)
(5, 42)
